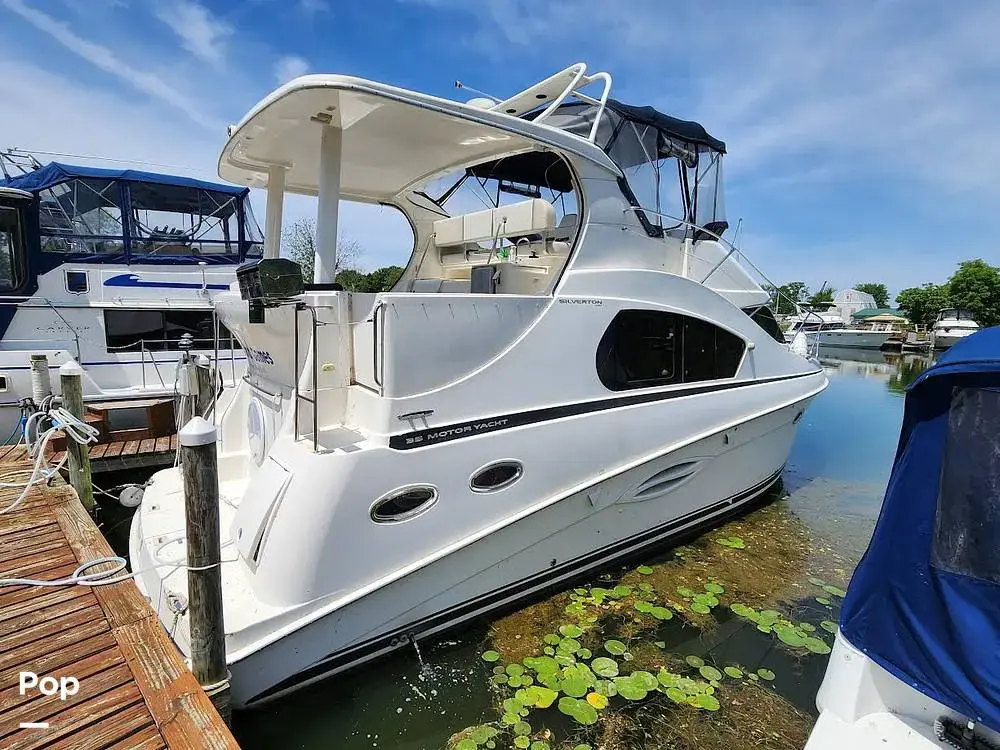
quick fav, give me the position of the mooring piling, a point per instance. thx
(71, 384)
(199, 466)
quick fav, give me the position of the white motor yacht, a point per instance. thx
(574, 366)
(864, 336)
(951, 325)
(812, 319)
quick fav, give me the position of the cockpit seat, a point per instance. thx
(525, 218)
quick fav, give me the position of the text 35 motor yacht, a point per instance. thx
(572, 373)
(112, 267)
(951, 326)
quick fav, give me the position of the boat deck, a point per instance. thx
(134, 688)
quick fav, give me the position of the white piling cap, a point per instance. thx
(197, 432)
(71, 367)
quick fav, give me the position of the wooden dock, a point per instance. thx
(134, 688)
(129, 454)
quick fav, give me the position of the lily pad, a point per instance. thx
(491, 656)
(514, 670)
(597, 700)
(644, 570)
(817, 582)
(570, 631)
(569, 645)
(631, 689)
(604, 666)
(510, 719)
(540, 745)
(584, 653)
(714, 588)
(816, 645)
(710, 673)
(823, 600)
(733, 672)
(615, 648)
(482, 734)
(701, 609)
(695, 661)
(753, 676)
(544, 697)
(806, 627)
(829, 626)
(677, 695)
(515, 682)
(621, 591)
(583, 747)
(789, 637)
(742, 610)
(708, 600)
(522, 727)
(661, 613)
(466, 744)
(733, 542)
(835, 591)
(645, 679)
(765, 674)
(706, 702)
(644, 607)
(686, 592)
(522, 742)
(581, 711)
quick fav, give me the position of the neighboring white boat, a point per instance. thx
(553, 384)
(864, 336)
(915, 664)
(952, 325)
(111, 268)
(811, 319)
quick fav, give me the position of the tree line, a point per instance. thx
(975, 285)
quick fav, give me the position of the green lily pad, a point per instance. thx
(677, 695)
(765, 674)
(583, 747)
(522, 727)
(644, 570)
(645, 587)
(576, 609)
(835, 591)
(597, 700)
(540, 745)
(733, 542)
(710, 673)
(466, 744)
(733, 672)
(686, 592)
(576, 682)
(644, 607)
(817, 582)
(515, 682)
(564, 659)
(701, 609)
(631, 689)
(823, 600)
(512, 706)
(789, 637)
(714, 588)
(584, 653)
(708, 600)
(490, 656)
(695, 661)
(763, 627)
(552, 639)
(645, 679)
(620, 591)
(570, 631)
(569, 645)
(581, 711)
(604, 666)
(615, 648)
(742, 610)
(498, 669)
(483, 733)
(661, 613)
(668, 679)
(510, 719)
(659, 644)
(581, 592)
(829, 626)
(753, 676)
(549, 651)
(806, 627)
(514, 670)
(706, 702)
(522, 742)
(816, 645)
(544, 697)
(500, 679)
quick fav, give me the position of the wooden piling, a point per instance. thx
(203, 369)
(201, 505)
(71, 384)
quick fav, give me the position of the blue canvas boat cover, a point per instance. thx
(924, 602)
(54, 173)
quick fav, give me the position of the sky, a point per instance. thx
(861, 135)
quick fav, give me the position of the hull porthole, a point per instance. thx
(496, 476)
(404, 503)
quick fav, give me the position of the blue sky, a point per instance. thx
(861, 135)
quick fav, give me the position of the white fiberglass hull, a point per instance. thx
(947, 340)
(588, 529)
(851, 339)
(865, 707)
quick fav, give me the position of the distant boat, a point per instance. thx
(916, 659)
(952, 325)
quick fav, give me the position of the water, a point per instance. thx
(832, 492)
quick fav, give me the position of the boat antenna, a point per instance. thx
(460, 85)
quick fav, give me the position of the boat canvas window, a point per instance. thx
(967, 521)
(81, 215)
(11, 245)
(648, 348)
(161, 330)
(764, 318)
(176, 220)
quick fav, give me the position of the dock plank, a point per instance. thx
(163, 445)
(135, 689)
(114, 449)
(147, 445)
(131, 448)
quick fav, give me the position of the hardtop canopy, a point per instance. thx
(924, 602)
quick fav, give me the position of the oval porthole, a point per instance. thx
(403, 503)
(496, 476)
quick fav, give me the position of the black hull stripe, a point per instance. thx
(492, 601)
(459, 430)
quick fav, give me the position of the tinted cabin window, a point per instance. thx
(161, 330)
(646, 348)
(967, 521)
(763, 317)
(81, 216)
(10, 249)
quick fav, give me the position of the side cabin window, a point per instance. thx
(654, 177)
(161, 330)
(11, 240)
(82, 215)
(182, 220)
(764, 318)
(649, 348)
(967, 521)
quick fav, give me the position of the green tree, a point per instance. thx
(922, 303)
(823, 295)
(298, 242)
(976, 286)
(787, 295)
(876, 290)
(382, 279)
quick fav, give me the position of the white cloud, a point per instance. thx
(289, 67)
(102, 57)
(311, 7)
(201, 33)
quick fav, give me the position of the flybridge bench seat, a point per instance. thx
(535, 256)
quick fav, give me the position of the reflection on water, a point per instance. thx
(815, 530)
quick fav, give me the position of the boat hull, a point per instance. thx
(851, 339)
(572, 537)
